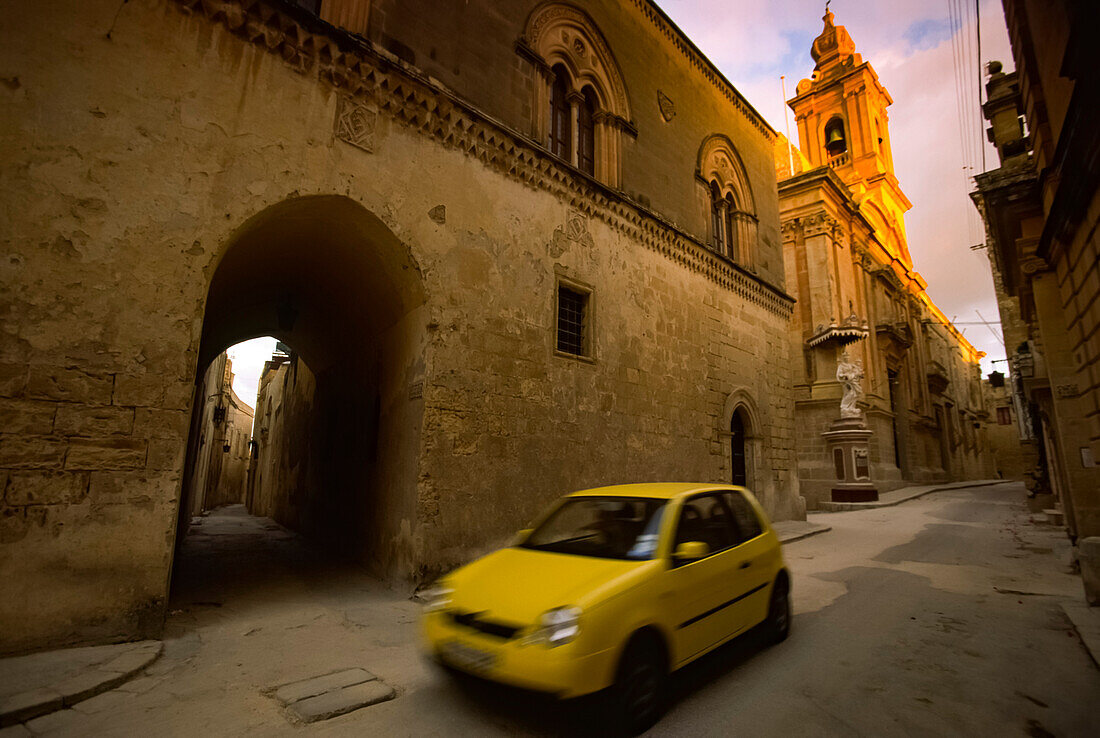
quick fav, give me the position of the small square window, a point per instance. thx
(573, 321)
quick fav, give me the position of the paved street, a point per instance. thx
(937, 617)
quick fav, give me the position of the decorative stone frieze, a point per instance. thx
(379, 81)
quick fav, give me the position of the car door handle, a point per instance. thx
(745, 565)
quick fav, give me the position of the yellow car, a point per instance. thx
(614, 587)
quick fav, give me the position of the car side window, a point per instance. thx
(707, 518)
(744, 517)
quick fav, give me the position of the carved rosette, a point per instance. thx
(355, 124)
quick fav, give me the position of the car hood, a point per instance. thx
(516, 585)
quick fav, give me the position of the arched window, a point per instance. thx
(731, 229)
(581, 110)
(715, 216)
(732, 207)
(586, 132)
(561, 132)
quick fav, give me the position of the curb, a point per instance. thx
(96, 679)
(805, 534)
(835, 507)
(1086, 622)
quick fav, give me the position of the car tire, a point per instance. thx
(778, 624)
(638, 697)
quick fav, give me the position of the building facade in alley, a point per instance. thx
(864, 332)
(1042, 210)
(485, 229)
(218, 475)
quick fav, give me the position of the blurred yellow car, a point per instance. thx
(614, 587)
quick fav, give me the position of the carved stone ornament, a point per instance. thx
(355, 124)
(819, 223)
(667, 107)
(576, 226)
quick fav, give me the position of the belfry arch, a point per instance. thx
(328, 279)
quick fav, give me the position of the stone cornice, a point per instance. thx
(375, 78)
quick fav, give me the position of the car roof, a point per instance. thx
(660, 490)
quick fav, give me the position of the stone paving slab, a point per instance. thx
(330, 695)
(314, 686)
(41, 683)
(341, 701)
(904, 494)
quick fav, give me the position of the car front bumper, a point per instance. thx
(562, 670)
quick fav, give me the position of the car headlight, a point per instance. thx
(556, 627)
(436, 597)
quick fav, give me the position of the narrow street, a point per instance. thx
(940, 616)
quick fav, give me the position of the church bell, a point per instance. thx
(835, 141)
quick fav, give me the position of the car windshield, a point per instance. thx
(604, 527)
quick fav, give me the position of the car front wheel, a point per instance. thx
(779, 612)
(638, 695)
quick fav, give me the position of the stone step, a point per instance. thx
(1054, 517)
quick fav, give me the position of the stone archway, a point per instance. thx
(740, 431)
(330, 280)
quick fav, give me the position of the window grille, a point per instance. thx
(572, 306)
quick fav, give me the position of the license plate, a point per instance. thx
(468, 657)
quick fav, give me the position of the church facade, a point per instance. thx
(887, 391)
(522, 248)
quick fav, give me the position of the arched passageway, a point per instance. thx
(328, 279)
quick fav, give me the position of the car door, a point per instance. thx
(698, 591)
(753, 565)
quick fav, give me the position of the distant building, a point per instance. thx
(221, 437)
(921, 414)
(1042, 212)
(1003, 431)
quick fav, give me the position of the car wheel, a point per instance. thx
(639, 690)
(779, 612)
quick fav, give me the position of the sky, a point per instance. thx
(248, 361)
(912, 45)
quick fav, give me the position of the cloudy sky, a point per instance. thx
(912, 44)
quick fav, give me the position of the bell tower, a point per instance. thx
(842, 124)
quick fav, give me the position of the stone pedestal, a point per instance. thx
(846, 441)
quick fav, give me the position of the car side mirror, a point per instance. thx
(691, 551)
(521, 536)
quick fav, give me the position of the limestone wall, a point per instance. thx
(133, 165)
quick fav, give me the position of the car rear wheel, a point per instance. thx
(639, 692)
(779, 612)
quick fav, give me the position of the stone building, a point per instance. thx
(221, 433)
(487, 228)
(1003, 430)
(1042, 209)
(918, 415)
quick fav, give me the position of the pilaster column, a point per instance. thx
(575, 100)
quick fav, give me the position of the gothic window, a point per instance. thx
(581, 110)
(730, 201)
(731, 228)
(586, 132)
(561, 132)
(715, 216)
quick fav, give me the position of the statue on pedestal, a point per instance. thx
(850, 373)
